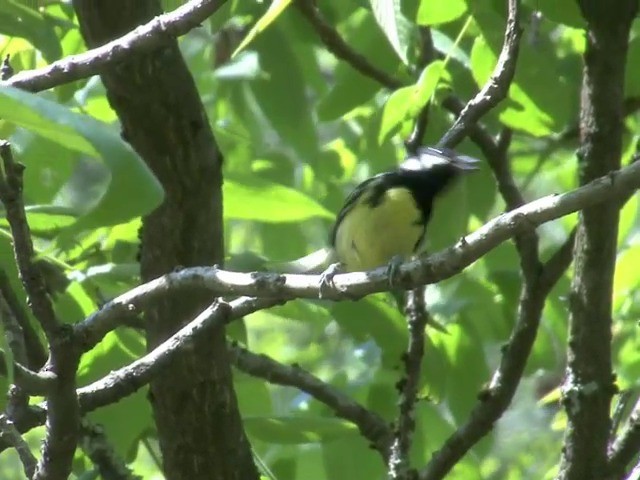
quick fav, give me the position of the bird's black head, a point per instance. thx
(430, 172)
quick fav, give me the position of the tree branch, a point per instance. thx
(63, 414)
(399, 467)
(625, 448)
(30, 382)
(97, 447)
(372, 427)
(34, 285)
(341, 49)
(589, 381)
(92, 62)
(427, 54)
(127, 380)
(36, 355)
(497, 87)
(10, 433)
(496, 153)
(427, 270)
(495, 399)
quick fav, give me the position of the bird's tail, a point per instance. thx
(315, 262)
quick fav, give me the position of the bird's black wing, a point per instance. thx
(352, 199)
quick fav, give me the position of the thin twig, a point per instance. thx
(103, 455)
(426, 56)
(496, 153)
(31, 276)
(9, 432)
(341, 49)
(35, 351)
(16, 397)
(626, 446)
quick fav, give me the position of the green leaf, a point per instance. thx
(18, 20)
(46, 218)
(387, 326)
(468, 368)
(626, 279)
(525, 116)
(431, 430)
(8, 352)
(405, 103)
(350, 459)
(253, 395)
(395, 26)
(250, 198)
(298, 429)
(628, 220)
(130, 178)
(434, 13)
(395, 112)
(282, 96)
(632, 72)
(273, 12)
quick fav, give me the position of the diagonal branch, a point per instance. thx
(92, 62)
(372, 427)
(341, 49)
(127, 380)
(626, 446)
(36, 354)
(29, 382)
(497, 87)
(495, 399)
(9, 432)
(102, 453)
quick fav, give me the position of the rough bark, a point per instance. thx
(194, 404)
(589, 385)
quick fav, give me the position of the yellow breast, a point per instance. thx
(369, 237)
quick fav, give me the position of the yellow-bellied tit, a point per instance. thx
(386, 216)
(384, 219)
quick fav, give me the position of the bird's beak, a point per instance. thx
(464, 162)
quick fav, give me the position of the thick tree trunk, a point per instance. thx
(589, 385)
(194, 404)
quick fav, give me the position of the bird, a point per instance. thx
(384, 219)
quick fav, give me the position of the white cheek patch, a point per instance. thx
(430, 157)
(424, 162)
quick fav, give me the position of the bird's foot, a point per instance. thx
(393, 270)
(326, 278)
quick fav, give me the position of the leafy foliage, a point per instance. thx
(299, 129)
